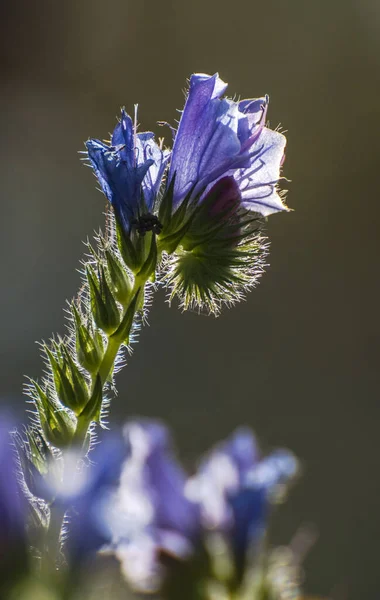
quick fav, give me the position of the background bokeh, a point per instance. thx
(298, 361)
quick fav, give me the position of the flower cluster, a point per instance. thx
(202, 200)
(159, 518)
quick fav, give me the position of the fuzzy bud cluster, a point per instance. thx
(71, 398)
(195, 210)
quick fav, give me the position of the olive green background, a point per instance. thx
(298, 361)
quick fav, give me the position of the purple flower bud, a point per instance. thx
(129, 170)
(226, 197)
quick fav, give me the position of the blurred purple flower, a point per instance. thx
(150, 512)
(129, 170)
(12, 509)
(12, 516)
(136, 500)
(235, 487)
(89, 491)
(217, 137)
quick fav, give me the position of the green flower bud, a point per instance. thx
(39, 452)
(216, 219)
(89, 347)
(127, 248)
(36, 459)
(138, 245)
(78, 380)
(119, 280)
(221, 255)
(57, 425)
(69, 382)
(104, 308)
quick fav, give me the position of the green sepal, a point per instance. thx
(89, 348)
(177, 225)
(118, 277)
(57, 425)
(126, 247)
(36, 459)
(91, 411)
(199, 236)
(166, 205)
(171, 242)
(124, 329)
(39, 452)
(180, 215)
(150, 264)
(103, 306)
(206, 224)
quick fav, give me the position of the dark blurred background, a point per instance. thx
(298, 361)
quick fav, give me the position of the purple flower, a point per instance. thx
(218, 137)
(129, 170)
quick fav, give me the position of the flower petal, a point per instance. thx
(162, 478)
(148, 150)
(258, 183)
(196, 128)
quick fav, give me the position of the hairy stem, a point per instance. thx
(58, 510)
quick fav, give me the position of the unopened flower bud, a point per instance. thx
(56, 423)
(89, 346)
(70, 383)
(104, 308)
(119, 279)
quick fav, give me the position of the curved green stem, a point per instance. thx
(109, 357)
(114, 343)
